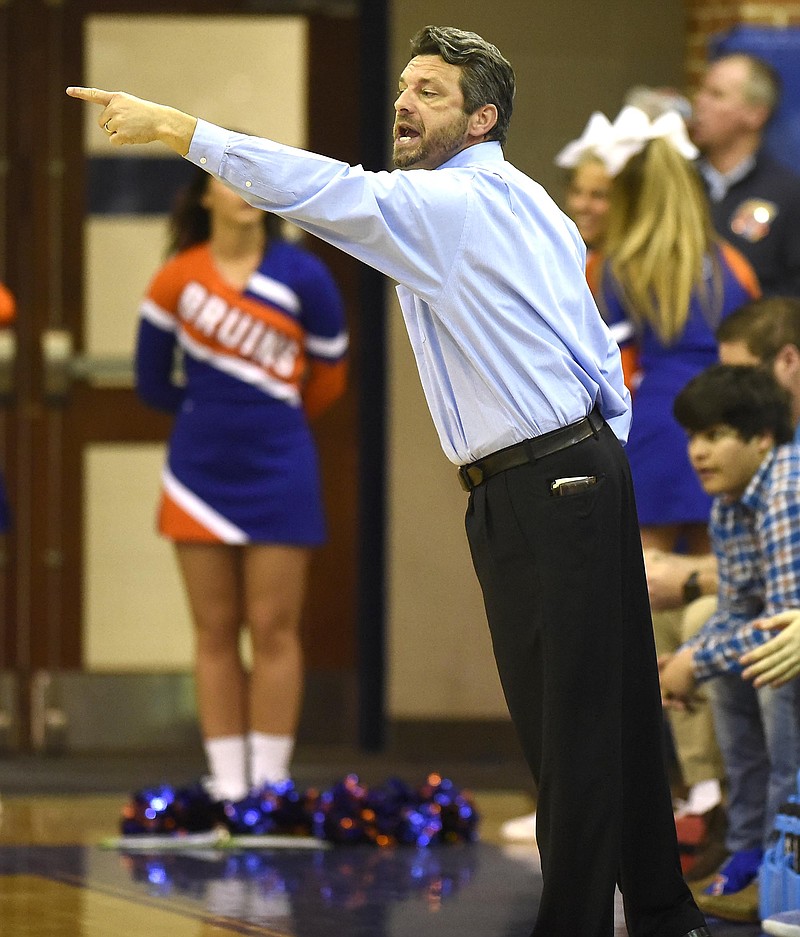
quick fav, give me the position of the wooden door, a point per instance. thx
(72, 425)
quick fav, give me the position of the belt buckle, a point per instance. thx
(470, 476)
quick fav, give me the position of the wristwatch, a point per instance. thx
(691, 588)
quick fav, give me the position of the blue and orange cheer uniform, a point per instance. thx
(258, 363)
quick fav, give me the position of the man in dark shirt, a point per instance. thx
(755, 200)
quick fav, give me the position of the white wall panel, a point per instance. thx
(135, 614)
(247, 72)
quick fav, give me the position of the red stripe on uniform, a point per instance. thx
(176, 524)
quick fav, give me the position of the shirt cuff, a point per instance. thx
(208, 146)
(703, 666)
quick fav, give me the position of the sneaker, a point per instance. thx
(741, 906)
(701, 799)
(701, 841)
(737, 873)
(701, 870)
(520, 829)
(782, 924)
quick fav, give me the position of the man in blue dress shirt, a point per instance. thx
(525, 387)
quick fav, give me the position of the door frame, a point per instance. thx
(43, 185)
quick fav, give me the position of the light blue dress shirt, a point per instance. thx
(507, 338)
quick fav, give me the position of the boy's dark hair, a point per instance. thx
(748, 399)
(486, 76)
(764, 325)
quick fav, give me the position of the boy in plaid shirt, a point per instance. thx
(740, 435)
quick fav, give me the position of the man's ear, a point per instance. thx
(482, 120)
(788, 358)
(756, 117)
(786, 368)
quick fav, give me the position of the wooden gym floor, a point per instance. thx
(57, 881)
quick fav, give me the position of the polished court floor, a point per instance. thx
(57, 881)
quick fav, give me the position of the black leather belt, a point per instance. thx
(529, 450)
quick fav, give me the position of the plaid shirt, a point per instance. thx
(756, 540)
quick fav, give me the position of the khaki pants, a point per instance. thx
(693, 732)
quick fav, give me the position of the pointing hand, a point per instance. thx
(130, 120)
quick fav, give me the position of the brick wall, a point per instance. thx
(705, 18)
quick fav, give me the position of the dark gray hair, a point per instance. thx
(486, 76)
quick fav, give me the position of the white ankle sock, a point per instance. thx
(227, 762)
(269, 758)
(704, 796)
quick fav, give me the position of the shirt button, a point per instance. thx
(203, 160)
(248, 183)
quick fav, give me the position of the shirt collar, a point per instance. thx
(720, 182)
(491, 151)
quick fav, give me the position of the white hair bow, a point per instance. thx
(597, 132)
(632, 130)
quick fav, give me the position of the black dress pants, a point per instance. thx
(566, 599)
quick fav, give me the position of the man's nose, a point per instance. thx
(402, 101)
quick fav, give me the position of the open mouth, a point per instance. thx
(405, 133)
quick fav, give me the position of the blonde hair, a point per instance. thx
(659, 236)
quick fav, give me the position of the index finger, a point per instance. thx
(95, 95)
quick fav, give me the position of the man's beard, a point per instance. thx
(443, 142)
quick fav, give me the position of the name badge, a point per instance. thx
(753, 219)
